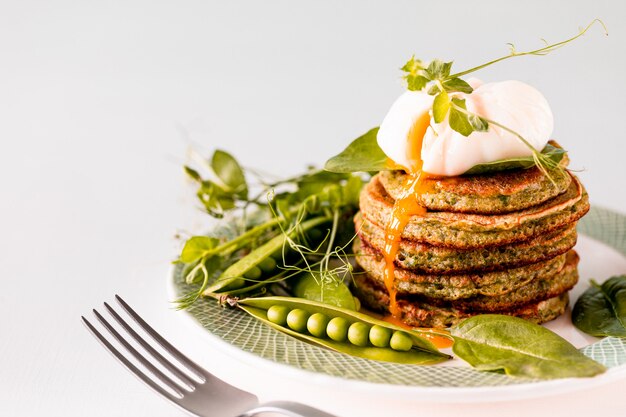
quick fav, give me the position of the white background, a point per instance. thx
(100, 102)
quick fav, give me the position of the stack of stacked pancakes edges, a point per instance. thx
(497, 243)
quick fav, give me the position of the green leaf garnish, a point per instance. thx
(324, 288)
(550, 152)
(458, 119)
(518, 347)
(229, 172)
(362, 155)
(601, 310)
(438, 70)
(289, 216)
(437, 76)
(441, 105)
(453, 85)
(197, 247)
(414, 74)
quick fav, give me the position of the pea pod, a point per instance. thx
(254, 258)
(422, 351)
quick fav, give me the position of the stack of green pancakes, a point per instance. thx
(494, 243)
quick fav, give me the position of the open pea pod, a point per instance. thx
(423, 351)
(236, 271)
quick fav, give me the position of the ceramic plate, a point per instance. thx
(602, 247)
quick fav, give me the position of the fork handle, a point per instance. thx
(286, 408)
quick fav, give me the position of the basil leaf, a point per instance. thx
(362, 155)
(441, 105)
(552, 152)
(334, 293)
(518, 347)
(601, 310)
(230, 173)
(196, 247)
(457, 84)
(458, 120)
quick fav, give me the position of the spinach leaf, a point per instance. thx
(494, 342)
(601, 310)
(324, 289)
(552, 152)
(362, 155)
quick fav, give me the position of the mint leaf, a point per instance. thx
(459, 120)
(441, 105)
(362, 155)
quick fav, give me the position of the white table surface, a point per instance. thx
(100, 102)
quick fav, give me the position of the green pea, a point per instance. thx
(358, 334)
(316, 325)
(268, 264)
(401, 341)
(297, 320)
(379, 336)
(253, 273)
(277, 314)
(337, 329)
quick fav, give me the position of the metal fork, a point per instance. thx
(193, 388)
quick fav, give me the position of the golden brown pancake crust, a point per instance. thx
(494, 193)
(422, 314)
(425, 258)
(462, 230)
(464, 285)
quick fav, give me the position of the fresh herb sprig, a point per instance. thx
(286, 215)
(437, 79)
(441, 83)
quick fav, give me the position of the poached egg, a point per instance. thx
(410, 137)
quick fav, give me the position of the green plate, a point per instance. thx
(241, 331)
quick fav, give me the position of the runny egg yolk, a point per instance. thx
(407, 205)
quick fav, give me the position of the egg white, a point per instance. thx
(514, 104)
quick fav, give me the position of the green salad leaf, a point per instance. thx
(493, 342)
(324, 289)
(362, 155)
(551, 152)
(601, 310)
(230, 174)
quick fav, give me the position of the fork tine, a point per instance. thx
(160, 358)
(161, 341)
(153, 369)
(127, 364)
